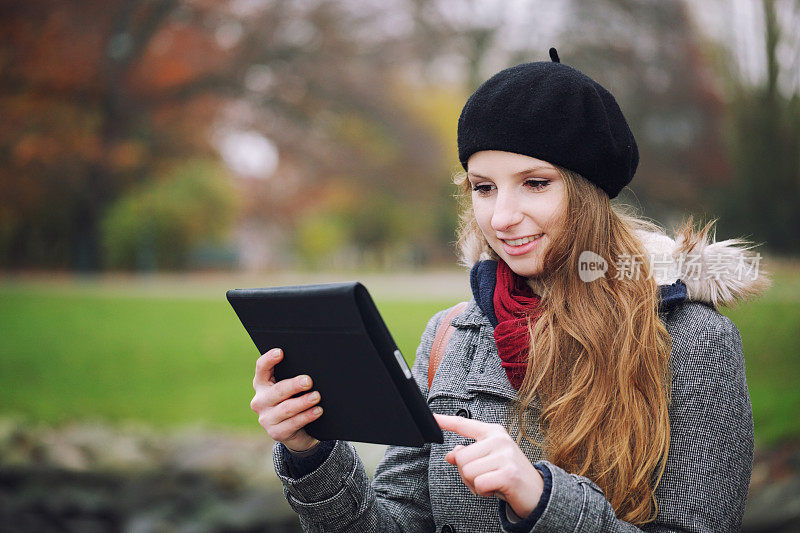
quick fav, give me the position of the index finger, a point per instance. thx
(466, 427)
(264, 366)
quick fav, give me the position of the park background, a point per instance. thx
(154, 154)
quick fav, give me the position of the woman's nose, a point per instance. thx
(506, 212)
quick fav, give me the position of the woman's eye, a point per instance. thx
(537, 184)
(482, 188)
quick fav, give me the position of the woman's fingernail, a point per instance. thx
(313, 397)
(317, 410)
(305, 381)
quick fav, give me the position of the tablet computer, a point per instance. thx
(334, 333)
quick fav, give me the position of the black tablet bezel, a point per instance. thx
(354, 320)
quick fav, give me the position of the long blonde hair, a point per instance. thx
(599, 355)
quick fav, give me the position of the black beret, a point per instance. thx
(552, 112)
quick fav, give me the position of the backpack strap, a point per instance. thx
(443, 334)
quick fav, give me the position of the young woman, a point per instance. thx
(589, 385)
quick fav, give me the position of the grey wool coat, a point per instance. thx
(703, 489)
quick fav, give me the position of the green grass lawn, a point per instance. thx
(167, 361)
(770, 330)
(163, 361)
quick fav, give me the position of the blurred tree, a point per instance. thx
(156, 224)
(320, 236)
(763, 200)
(95, 96)
(337, 105)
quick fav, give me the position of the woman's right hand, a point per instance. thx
(281, 415)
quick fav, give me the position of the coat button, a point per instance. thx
(464, 412)
(447, 528)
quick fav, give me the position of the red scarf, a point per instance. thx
(514, 300)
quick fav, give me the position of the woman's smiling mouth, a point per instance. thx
(522, 245)
(522, 240)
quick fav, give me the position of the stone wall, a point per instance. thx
(91, 477)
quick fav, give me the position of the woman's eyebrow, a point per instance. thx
(516, 174)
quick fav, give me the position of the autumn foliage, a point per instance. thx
(95, 97)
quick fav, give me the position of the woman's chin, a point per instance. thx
(526, 267)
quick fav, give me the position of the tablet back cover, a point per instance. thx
(334, 333)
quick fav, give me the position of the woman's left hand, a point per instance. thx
(493, 465)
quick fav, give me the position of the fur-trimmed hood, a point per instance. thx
(720, 273)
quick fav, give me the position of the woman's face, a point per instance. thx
(519, 202)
